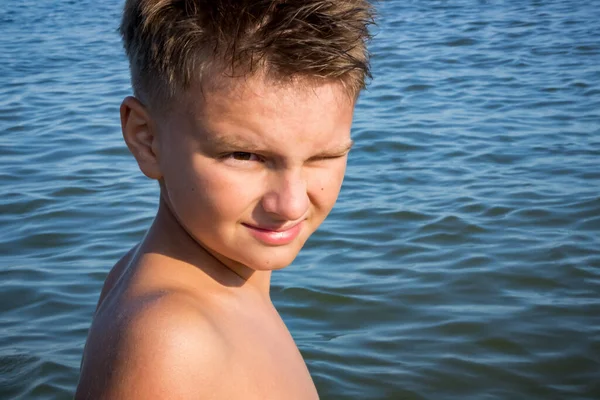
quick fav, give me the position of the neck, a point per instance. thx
(168, 237)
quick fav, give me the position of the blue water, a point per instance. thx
(462, 260)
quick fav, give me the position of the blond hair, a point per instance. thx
(173, 43)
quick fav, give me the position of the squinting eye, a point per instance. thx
(243, 156)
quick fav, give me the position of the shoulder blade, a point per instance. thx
(162, 347)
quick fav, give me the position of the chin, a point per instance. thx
(273, 260)
(272, 264)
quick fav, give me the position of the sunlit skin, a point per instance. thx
(272, 158)
(248, 170)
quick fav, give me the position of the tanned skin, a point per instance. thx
(186, 314)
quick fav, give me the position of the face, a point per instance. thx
(250, 170)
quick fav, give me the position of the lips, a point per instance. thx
(275, 237)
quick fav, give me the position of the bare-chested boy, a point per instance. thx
(242, 113)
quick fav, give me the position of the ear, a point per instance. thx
(140, 136)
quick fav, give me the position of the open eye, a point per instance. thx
(243, 156)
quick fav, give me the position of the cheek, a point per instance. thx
(211, 191)
(326, 185)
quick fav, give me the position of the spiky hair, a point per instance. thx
(173, 43)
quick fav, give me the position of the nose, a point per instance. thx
(287, 197)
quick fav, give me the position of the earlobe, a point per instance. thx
(140, 136)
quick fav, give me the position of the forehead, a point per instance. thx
(227, 92)
(264, 110)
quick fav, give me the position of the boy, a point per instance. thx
(242, 113)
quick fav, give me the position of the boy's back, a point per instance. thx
(156, 335)
(248, 136)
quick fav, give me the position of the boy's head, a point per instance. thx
(173, 43)
(245, 116)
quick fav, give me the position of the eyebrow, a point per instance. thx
(335, 151)
(226, 142)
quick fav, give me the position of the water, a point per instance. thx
(461, 262)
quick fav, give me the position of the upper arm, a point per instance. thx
(167, 350)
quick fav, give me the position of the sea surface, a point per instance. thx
(462, 260)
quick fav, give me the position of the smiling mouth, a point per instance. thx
(280, 229)
(277, 236)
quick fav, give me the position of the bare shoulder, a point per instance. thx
(158, 346)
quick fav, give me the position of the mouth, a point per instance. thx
(275, 236)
